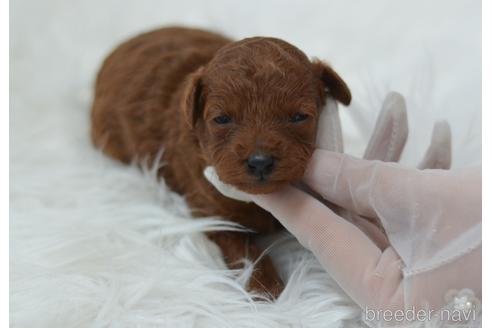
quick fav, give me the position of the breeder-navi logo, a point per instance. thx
(412, 315)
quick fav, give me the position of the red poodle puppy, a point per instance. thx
(249, 108)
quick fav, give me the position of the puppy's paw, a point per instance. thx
(265, 279)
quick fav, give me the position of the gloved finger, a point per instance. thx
(366, 225)
(225, 189)
(333, 240)
(349, 182)
(329, 135)
(386, 144)
(391, 131)
(438, 155)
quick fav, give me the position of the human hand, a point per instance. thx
(431, 218)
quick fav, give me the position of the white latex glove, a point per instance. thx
(432, 219)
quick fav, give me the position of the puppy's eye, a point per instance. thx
(298, 117)
(222, 119)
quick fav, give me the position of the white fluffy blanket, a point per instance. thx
(98, 244)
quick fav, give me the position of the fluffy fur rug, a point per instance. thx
(98, 244)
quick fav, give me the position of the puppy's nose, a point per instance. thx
(260, 165)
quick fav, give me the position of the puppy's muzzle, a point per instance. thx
(260, 165)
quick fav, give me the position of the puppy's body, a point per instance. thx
(161, 90)
(136, 114)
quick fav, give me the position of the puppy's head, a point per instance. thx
(254, 110)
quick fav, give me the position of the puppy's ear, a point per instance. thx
(333, 83)
(192, 101)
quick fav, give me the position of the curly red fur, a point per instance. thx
(163, 89)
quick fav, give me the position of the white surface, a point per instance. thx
(94, 243)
